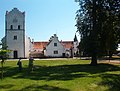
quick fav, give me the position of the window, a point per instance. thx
(55, 44)
(15, 37)
(11, 27)
(55, 52)
(19, 27)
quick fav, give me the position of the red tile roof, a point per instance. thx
(67, 44)
(39, 45)
(42, 45)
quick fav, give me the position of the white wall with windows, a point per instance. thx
(54, 48)
(15, 38)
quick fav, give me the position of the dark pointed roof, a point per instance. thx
(75, 38)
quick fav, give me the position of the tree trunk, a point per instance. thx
(94, 60)
(110, 55)
(94, 36)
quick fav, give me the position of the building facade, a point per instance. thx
(54, 48)
(15, 38)
(21, 46)
(75, 47)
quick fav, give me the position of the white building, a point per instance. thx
(21, 46)
(54, 48)
(75, 46)
(15, 38)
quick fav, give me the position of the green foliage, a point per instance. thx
(98, 22)
(3, 53)
(3, 56)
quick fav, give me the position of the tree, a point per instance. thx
(111, 24)
(3, 57)
(97, 23)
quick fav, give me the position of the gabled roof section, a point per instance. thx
(52, 38)
(42, 45)
(15, 10)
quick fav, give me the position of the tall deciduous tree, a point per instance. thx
(98, 25)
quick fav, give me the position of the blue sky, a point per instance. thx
(43, 17)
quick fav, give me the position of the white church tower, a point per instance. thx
(15, 33)
(75, 46)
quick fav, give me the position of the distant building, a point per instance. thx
(68, 45)
(15, 38)
(21, 46)
(75, 47)
(55, 48)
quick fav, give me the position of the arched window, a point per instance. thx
(11, 27)
(19, 27)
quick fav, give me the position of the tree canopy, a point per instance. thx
(98, 22)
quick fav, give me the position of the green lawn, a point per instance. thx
(61, 75)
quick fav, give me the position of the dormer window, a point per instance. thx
(11, 27)
(19, 27)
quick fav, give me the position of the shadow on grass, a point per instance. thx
(67, 72)
(6, 86)
(35, 87)
(112, 81)
(59, 72)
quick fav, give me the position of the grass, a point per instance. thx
(61, 75)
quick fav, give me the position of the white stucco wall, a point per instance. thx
(75, 45)
(15, 18)
(28, 46)
(18, 44)
(51, 48)
(68, 52)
